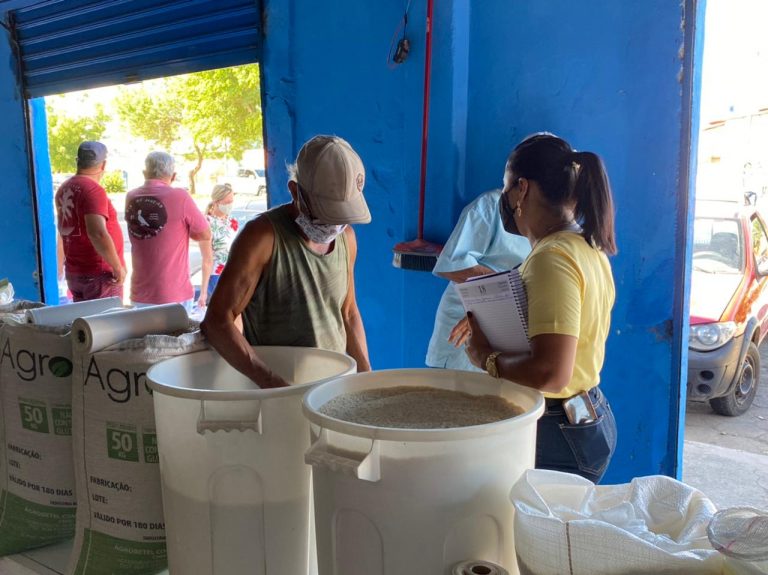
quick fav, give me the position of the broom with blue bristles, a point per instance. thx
(419, 254)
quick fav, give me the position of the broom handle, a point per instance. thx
(425, 118)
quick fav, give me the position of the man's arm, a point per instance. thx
(200, 231)
(460, 276)
(357, 347)
(250, 254)
(96, 228)
(202, 235)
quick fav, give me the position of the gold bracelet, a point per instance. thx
(490, 364)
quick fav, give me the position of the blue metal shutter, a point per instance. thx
(67, 45)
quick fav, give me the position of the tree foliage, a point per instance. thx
(151, 117)
(66, 132)
(209, 114)
(113, 182)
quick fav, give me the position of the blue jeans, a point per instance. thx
(584, 449)
(212, 282)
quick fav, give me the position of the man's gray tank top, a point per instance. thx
(298, 299)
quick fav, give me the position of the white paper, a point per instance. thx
(66, 314)
(94, 333)
(498, 303)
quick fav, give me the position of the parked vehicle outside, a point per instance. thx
(729, 305)
(257, 174)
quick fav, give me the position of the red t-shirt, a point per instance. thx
(76, 198)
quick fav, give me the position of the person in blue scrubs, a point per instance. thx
(477, 246)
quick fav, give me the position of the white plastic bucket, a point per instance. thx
(417, 501)
(236, 491)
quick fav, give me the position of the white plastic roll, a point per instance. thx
(476, 567)
(94, 333)
(66, 314)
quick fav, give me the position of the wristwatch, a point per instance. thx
(490, 364)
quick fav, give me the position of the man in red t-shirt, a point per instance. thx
(90, 233)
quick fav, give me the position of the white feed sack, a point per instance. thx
(37, 485)
(565, 524)
(120, 526)
(37, 501)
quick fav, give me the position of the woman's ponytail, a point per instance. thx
(594, 203)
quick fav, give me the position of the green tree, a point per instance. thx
(209, 114)
(113, 182)
(65, 133)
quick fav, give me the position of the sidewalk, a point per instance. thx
(729, 477)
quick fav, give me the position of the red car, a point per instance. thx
(729, 305)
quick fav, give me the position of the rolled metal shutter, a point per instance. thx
(66, 45)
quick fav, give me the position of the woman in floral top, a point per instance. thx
(223, 230)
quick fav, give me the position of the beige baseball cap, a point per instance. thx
(332, 177)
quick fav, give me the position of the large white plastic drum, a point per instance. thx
(417, 501)
(236, 491)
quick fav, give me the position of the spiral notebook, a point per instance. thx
(500, 305)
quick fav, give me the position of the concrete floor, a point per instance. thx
(727, 457)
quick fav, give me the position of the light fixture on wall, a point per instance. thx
(400, 48)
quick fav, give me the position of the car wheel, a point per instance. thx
(743, 393)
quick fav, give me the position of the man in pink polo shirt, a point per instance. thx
(161, 220)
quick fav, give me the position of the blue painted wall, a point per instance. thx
(609, 80)
(613, 78)
(18, 247)
(327, 73)
(44, 195)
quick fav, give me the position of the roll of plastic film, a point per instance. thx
(475, 567)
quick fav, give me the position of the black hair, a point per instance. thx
(565, 175)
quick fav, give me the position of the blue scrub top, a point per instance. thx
(477, 239)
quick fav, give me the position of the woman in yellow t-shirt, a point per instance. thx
(561, 201)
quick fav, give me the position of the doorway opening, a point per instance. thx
(209, 121)
(727, 382)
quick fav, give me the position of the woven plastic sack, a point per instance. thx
(37, 480)
(120, 526)
(565, 525)
(741, 533)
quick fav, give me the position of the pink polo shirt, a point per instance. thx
(160, 220)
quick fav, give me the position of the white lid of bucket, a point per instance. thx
(530, 400)
(206, 375)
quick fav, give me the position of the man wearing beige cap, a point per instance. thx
(290, 273)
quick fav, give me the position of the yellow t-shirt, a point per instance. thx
(570, 291)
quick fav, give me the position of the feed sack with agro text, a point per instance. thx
(37, 499)
(120, 526)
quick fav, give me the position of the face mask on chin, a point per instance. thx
(508, 216)
(318, 233)
(225, 209)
